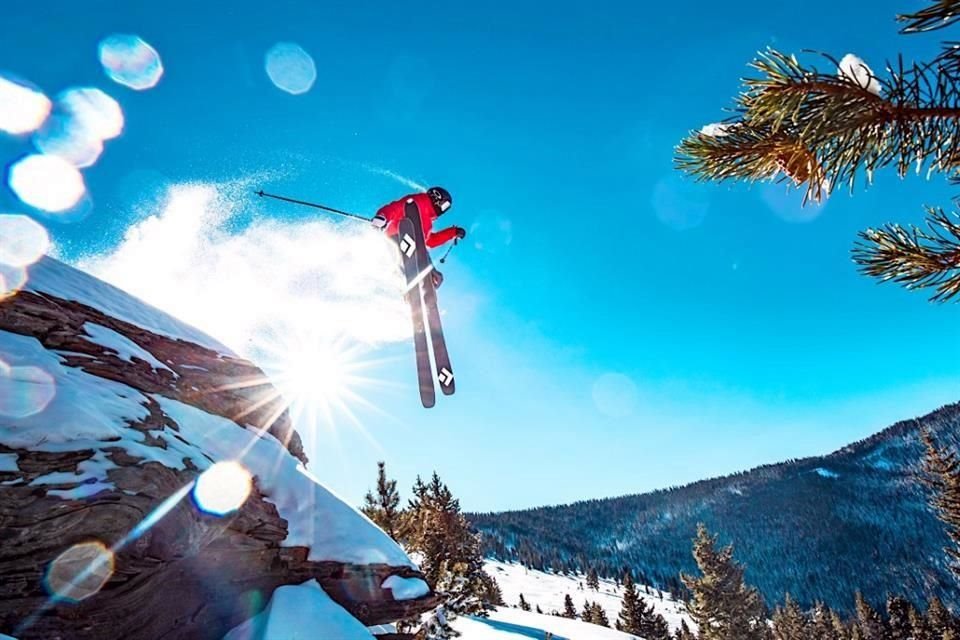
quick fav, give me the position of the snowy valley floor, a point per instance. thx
(547, 590)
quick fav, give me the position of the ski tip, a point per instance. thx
(428, 403)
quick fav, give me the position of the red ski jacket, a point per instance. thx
(393, 212)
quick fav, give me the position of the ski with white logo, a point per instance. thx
(409, 250)
(425, 267)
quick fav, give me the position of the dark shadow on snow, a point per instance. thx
(520, 630)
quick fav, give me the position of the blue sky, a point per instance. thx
(739, 318)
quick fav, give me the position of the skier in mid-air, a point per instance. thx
(432, 204)
(409, 221)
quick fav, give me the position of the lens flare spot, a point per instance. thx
(22, 240)
(95, 111)
(80, 571)
(680, 204)
(24, 391)
(290, 68)
(47, 182)
(82, 120)
(22, 109)
(787, 203)
(130, 61)
(64, 137)
(12, 279)
(615, 395)
(222, 488)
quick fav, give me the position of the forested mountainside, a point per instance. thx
(818, 528)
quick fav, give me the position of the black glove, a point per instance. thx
(461, 233)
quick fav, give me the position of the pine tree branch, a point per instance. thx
(822, 129)
(915, 257)
(942, 14)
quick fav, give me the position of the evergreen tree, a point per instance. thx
(723, 606)
(569, 611)
(637, 617)
(384, 507)
(491, 595)
(900, 614)
(943, 476)
(657, 627)
(631, 614)
(869, 623)
(593, 580)
(826, 624)
(587, 612)
(594, 614)
(524, 604)
(919, 628)
(600, 617)
(683, 632)
(450, 552)
(539, 610)
(939, 620)
(790, 623)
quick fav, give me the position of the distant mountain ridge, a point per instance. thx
(818, 528)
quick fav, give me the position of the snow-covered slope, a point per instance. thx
(547, 590)
(513, 624)
(111, 411)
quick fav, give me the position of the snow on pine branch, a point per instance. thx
(855, 69)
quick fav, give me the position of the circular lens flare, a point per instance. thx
(222, 488)
(12, 279)
(82, 120)
(22, 109)
(22, 240)
(80, 571)
(290, 68)
(24, 391)
(615, 395)
(64, 137)
(47, 182)
(130, 61)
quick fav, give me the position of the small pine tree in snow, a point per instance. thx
(524, 604)
(723, 606)
(384, 507)
(569, 611)
(593, 580)
(684, 633)
(491, 595)
(630, 609)
(594, 614)
(539, 610)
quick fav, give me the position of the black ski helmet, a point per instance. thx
(442, 199)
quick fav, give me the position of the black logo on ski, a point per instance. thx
(424, 266)
(408, 255)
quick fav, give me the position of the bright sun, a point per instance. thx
(320, 379)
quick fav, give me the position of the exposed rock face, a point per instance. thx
(190, 574)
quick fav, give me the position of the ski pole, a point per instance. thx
(449, 249)
(264, 194)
